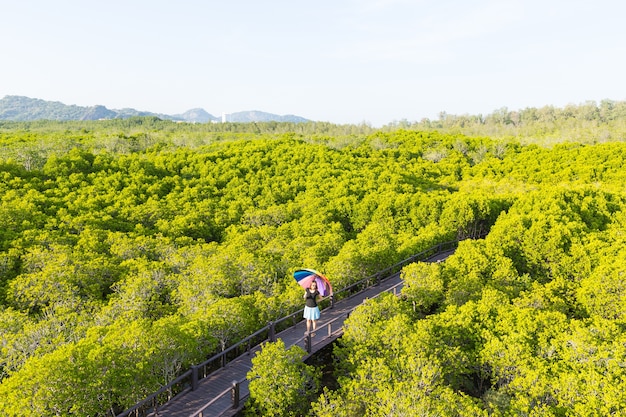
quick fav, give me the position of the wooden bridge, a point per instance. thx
(205, 391)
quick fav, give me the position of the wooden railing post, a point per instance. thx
(234, 394)
(194, 377)
(272, 331)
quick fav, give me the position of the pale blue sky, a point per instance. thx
(342, 61)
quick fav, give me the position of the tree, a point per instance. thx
(423, 285)
(281, 384)
(603, 292)
(229, 319)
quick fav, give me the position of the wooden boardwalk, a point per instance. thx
(212, 398)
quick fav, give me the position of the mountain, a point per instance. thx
(259, 116)
(20, 108)
(197, 115)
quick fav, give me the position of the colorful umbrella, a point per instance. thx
(305, 277)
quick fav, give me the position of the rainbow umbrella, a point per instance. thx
(305, 277)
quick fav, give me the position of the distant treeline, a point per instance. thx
(589, 122)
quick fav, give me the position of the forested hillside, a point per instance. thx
(129, 246)
(19, 108)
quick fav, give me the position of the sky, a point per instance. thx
(339, 61)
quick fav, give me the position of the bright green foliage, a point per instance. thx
(391, 367)
(162, 232)
(531, 322)
(281, 384)
(110, 366)
(423, 285)
(117, 226)
(229, 319)
(603, 292)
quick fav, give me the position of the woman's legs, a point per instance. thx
(311, 322)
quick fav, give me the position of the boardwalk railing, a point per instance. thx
(190, 379)
(233, 391)
(331, 329)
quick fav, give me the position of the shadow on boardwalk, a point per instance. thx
(224, 392)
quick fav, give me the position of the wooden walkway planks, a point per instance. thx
(215, 388)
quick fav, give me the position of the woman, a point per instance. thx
(311, 311)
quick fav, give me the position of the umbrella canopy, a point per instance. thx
(305, 277)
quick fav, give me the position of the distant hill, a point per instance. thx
(259, 116)
(20, 108)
